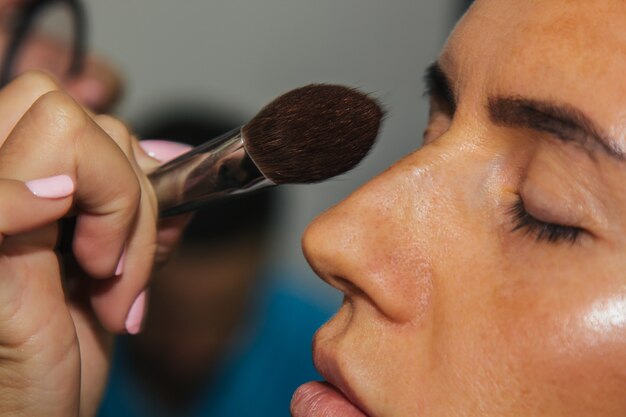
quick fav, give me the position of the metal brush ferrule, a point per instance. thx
(218, 168)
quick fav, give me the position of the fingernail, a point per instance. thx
(134, 320)
(164, 150)
(58, 186)
(120, 264)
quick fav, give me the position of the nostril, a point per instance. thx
(347, 287)
(357, 248)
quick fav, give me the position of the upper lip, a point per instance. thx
(329, 366)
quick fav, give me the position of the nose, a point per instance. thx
(376, 246)
(390, 244)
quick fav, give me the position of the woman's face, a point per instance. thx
(485, 274)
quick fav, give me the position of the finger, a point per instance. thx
(98, 87)
(96, 346)
(25, 207)
(151, 154)
(19, 95)
(122, 300)
(54, 137)
(27, 210)
(169, 234)
(114, 301)
(128, 290)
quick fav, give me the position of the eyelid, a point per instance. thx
(566, 215)
(550, 203)
(543, 231)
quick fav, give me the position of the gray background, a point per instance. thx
(236, 55)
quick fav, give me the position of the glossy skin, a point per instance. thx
(448, 311)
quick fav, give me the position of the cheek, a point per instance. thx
(397, 265)
(603, 323)
(564, 340)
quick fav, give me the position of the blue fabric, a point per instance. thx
(259, 377)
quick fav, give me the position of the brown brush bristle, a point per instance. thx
(312, 133)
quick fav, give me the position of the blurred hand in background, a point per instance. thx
(99, 85)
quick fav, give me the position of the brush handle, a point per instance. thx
(218, 168)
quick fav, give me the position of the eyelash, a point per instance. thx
(548, 232)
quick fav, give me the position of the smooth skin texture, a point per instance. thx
(55, 335)
(54, 344)
(450, 311)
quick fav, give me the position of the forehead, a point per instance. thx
(571, 51)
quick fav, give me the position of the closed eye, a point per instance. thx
(543, 231)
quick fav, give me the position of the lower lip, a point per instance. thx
(317, 399)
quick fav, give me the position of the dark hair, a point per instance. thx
(224, 219)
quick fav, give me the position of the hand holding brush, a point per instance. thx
(58, 160)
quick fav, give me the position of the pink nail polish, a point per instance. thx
(58, 186)
(134, 320)
(164, 150)
(120, 264)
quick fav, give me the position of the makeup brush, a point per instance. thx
(307, 135)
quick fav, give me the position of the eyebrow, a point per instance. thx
(562, 121)
(438, 85)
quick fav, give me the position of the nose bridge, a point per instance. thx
(382, 238)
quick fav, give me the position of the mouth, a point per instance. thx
(321, 399)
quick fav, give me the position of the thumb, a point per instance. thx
(38, 349)
(26, 206)
(28, 267)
